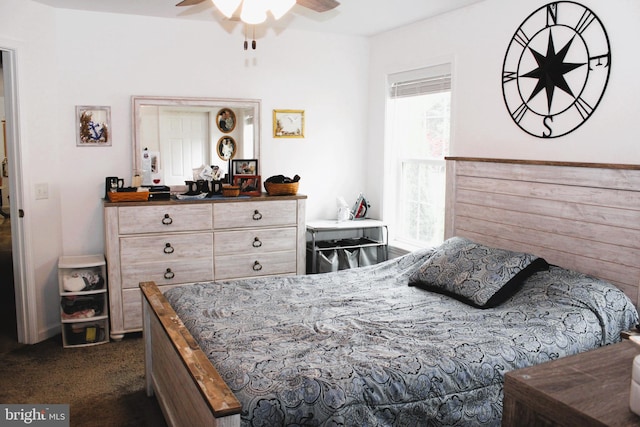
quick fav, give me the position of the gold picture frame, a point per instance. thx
(288, 123)
(226, 148)
(226, 120)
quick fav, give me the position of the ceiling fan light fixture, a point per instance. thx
(280, 7)
(227, 7)
(253, 12)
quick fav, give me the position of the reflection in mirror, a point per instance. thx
(226, 148)
(173, 136)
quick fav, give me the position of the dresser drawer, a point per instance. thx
(254, 214)
(257, 241)
(164, 218)
(132, 307)
(166, 247)
(254, 265)
(167, 272)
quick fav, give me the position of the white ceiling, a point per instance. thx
(355, 17)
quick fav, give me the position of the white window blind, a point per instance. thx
(419, 82)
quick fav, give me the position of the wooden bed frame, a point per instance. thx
(584, 217)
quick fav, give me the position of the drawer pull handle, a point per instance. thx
(256, 242)
(257, 216)
(169, 274)
(167, 219)
(168, 249)
(257, 266)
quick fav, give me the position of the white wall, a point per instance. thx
(475, 39)
(68, 58)
(28, 29)
(149, 56)
(74, 58)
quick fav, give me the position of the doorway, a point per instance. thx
(8, 322)
(23, 327)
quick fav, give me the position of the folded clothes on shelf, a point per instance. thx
(76, 303)
(83, 280)
(82, 314)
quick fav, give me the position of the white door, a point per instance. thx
(184, 140)
(25, 293)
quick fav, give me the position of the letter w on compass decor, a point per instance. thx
(556, 69)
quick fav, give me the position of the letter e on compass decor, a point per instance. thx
(556, 69)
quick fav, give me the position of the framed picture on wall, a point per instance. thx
(93, 126)
(226, 148)
(250, 185)
(226, 120)
(288, 123)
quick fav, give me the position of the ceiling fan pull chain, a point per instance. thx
(246, 44)
(253, 43)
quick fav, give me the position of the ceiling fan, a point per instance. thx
(315, 5)
(253, 12)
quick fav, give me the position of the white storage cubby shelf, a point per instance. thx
(337, 245)
(84, 309)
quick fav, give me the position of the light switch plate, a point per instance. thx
(42, 191)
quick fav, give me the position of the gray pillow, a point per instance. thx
(475, 274)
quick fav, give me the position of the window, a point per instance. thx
(418, 129)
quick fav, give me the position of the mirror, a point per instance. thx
(172, 136)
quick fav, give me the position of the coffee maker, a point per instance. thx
(112, 184)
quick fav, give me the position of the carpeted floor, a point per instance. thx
(103, 384)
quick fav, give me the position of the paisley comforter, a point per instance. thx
(362, 348)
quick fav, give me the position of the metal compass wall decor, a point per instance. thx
(556, 69)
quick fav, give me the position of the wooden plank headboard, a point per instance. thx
(584, 217)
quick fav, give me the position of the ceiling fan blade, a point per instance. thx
(318, 5)
(189, 2)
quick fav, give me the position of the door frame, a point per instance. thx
(26, 301)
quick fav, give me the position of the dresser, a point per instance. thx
(181, 242)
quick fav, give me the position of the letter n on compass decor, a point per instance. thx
(93, 126)
(556, 69)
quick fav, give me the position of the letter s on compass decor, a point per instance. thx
(556, 69)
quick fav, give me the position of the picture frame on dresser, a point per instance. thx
(250, 185)
(244, 167)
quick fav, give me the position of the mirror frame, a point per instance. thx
(137, 101)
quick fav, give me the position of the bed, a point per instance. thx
(406, 342)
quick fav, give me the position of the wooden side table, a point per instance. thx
(587, 389)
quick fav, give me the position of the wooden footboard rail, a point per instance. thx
(189, 389)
